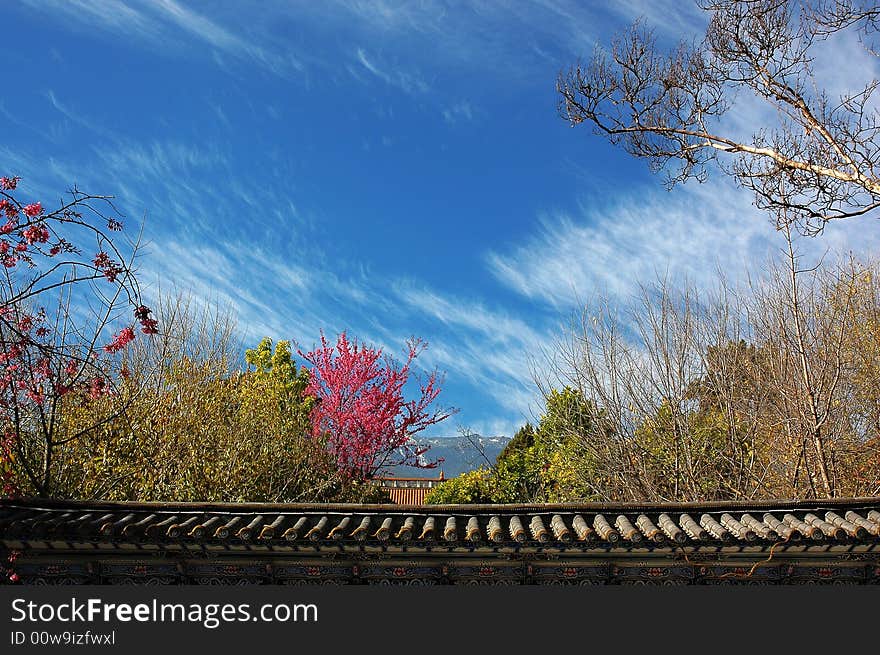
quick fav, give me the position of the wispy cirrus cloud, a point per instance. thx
(110, 17)
(168, 27)
(199, 26)
(485, 349)
(410, 82)
(507, 38)
(491, 347)
(401, 44)
(672, 19)
(225, 40)
(459, 111)
(692, 232)
(488, 347)
(62, 109)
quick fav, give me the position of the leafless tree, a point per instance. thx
(762, 390)
(650, 367)
(842, 14)
(802, 316)
(477, 446)
(817, 161)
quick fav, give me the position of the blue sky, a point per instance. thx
(390, 169)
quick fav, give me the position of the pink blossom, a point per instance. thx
(107, 266)
(150, 326)
(35, 366)
(97, 388)
(33, 210)
(42, 367)
(362, 411)
(36, 234)
(120, 341)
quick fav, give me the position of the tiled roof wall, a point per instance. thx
(484, 526)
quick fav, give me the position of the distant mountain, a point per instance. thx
(459, 454)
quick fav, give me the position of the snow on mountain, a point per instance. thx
(459, 454)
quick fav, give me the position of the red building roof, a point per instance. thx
(408, 491)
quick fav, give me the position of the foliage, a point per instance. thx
(196, 429)
(703, 458)
(275, 376)
(184, 423)
(568, 426)
(517, 473)
(537, 465)
(471, 487)
(362, 410)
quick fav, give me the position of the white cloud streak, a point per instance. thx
(459, 111)
(690, 233)
(168, 27)
(403, 80)
(511, 39)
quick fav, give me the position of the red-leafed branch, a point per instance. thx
(363, 411)
(64, 282)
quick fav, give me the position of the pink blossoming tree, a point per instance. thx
(57, 306)
(362, 408)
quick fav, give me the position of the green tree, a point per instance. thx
(547, 463)
(698, 472)
(565, 446)
(275, 376)
(196, 429)
(517, 473)
(471, 487)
